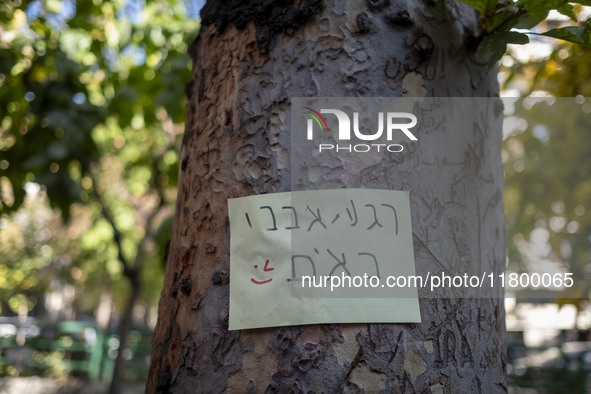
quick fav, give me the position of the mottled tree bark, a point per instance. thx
(249, 59)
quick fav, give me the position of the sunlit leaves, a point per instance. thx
(548, 183)
(91, 103)
(74, 70)
(32, 245)
(575, 34)
(568, 10)
(500, 19)
(495, 44)
(564, 73)
(76, 43)
(482, 6)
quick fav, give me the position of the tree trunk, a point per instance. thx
(123, 330)
(249, 60)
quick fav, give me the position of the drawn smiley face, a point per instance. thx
(266, 269)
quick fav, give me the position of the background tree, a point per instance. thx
(547, 172)
(249, 60)
(546, 165)
(91, 97)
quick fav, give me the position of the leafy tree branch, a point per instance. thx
(509, 22)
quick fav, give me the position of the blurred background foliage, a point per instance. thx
(547, 162)
(547, 157)
(92, 107)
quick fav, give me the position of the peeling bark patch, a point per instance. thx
(356, 360)
(437, 389)
(270, 17)
(377, 5)
(364, 23)
(392, 69)
(187, 258)
(334, 331)
(283, 339)
(250, 387)
(399, 18)
(307, 367)
(364, 380)
(496, 316)
(201, 90)
(186, 285)
(358, 82)
(421, 48)
(163, 380)
(189, 89)
(428, 346)
(210, 248)
(413, 85)
(381, 346)
(173, 288)
(198, 303)
(471, 42)
(220, 278)
(414, 364)
(346, 347)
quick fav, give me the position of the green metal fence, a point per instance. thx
(553, 369)
(75, 348)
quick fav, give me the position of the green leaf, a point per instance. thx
(576, 34)
(482, 6)
(495, 45)
(582, 2)
(503, 20)
(567, 10)
(543, 5)
(531, 19)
